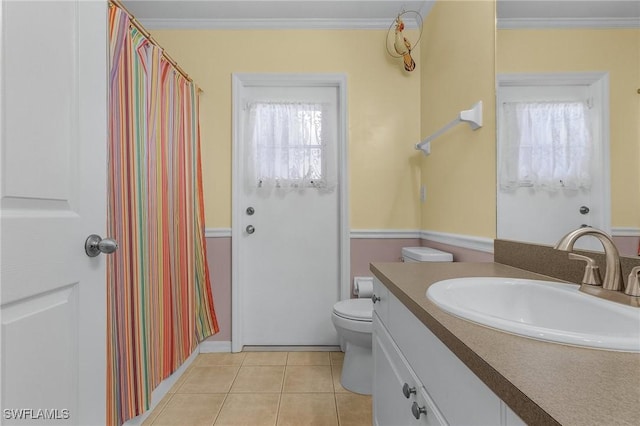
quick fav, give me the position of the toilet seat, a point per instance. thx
(354, 309)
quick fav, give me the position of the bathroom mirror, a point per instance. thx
(597, 38)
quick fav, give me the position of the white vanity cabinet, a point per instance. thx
(399, 397)
(443, 389)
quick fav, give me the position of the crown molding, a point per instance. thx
(545, 23)
(273, 24)
(426, 8)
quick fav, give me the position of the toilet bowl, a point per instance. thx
(352, 319)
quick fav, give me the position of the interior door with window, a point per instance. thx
(53, 196)
(527, 213)
(288, 224)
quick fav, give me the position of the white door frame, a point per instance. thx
(599, 84)
(239, 82)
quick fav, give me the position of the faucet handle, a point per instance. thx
(633, 284)
(591, 270)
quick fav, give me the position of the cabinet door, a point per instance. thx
(390, 406)
(459, 394)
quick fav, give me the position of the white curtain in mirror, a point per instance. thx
(549, 146)
(289, 146)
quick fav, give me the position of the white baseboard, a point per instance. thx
(162, 389)
(324, 348)
(210, 346)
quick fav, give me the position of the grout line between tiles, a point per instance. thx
(284, 376)
(215, 419)
(278, 409)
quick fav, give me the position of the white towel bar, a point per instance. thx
(472, 116)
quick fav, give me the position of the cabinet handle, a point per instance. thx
(375, 298)
(407, 391)
(417, 410)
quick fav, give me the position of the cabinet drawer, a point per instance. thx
(448, 381)
(381, 307)
(391, 406)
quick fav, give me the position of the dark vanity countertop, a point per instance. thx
(544, 383)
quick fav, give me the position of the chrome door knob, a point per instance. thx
(250, 229)
(96, 245)
(407, 390)
(417, 411)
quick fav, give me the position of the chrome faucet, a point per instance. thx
(613, 275)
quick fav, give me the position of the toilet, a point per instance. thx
(425, 254)
(352, 319)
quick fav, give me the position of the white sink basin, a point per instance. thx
(541, 310)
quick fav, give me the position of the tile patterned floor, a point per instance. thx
(263, 388)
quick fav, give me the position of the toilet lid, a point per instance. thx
(355, 309)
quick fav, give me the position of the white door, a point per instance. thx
(53, 195)
(543, 217)
(287, 265)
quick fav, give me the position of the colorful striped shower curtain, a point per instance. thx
(159, 296)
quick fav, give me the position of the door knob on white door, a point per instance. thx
(96, 245)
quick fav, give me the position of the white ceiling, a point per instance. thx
(369, 13)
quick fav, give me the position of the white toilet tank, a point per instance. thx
(425, 254)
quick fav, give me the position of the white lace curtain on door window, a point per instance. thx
(548, 146)
(289, 146)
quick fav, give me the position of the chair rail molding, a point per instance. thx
(483, 244)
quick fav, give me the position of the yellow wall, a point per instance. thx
(457, 54)
(383, 111)
(615, 51)
(390, 110)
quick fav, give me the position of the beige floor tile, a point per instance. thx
(308, 378)
(216, 379)
(354, 409)
(190, 410)
(258, 379)
(308, 358)
(336, 372)
(249, 410)
(265, 358)
(254, 381)
(310, 409)
(336, 358)
(211, 359)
